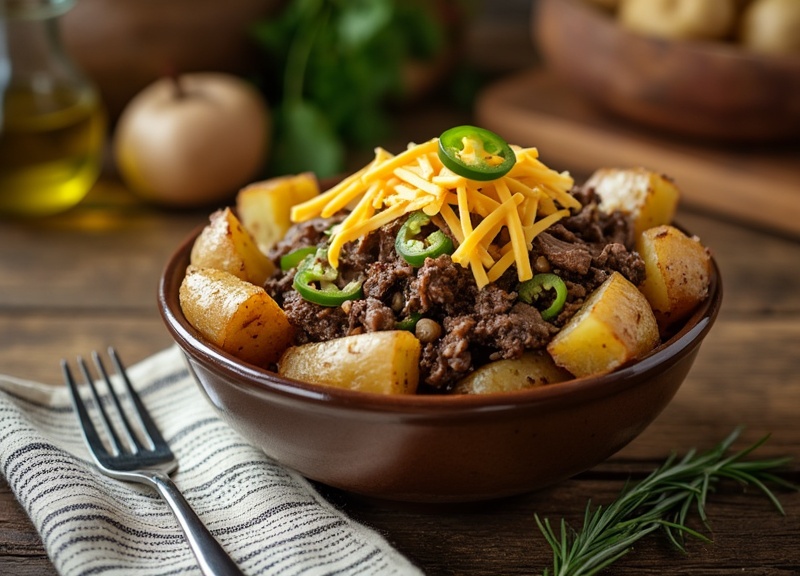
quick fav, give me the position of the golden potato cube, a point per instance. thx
(685, 19)
(235, 315)
(678, 271)
(614, 326)
(530, 370)
(224, 244)
(264, 207)
(383, 362)
(650, 199)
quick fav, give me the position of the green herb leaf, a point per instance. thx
(662, 500)
(304, 141)
(360, 21)
(346, 60)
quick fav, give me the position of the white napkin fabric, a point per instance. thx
(270, 519)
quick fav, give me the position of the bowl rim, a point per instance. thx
(578, 390)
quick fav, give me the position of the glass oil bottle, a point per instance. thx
(52, 123)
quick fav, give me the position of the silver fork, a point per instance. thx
(148, 460)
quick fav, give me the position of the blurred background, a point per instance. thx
(356, 67)
(708, 92)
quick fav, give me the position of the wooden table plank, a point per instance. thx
(21, 550)
(501, 537)
(33, 345)
(74, 259)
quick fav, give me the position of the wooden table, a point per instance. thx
(88, 278)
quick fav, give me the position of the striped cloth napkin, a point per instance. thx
(271, 520)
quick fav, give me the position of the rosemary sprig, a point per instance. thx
(662, 500)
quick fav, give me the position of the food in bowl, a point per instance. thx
(446, 269)
(712, 91)
(508, 427)
(766, 26)
(710, 19)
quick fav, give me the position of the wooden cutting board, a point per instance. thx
(756, 185)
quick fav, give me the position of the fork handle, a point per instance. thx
(211, 557)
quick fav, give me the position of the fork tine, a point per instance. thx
(153, 433)
(130, 435)
(108, 426)
(87, 426)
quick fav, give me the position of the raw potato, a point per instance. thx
(224, 244)
(383, 362)
(236, 315)
(771, 26)
(690, 19)
(649, 198)
(264, 206)
(530, 370)
(678, 273)
(614, 326)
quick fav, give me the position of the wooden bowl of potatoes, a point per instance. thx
(718, 71)
(508, 431)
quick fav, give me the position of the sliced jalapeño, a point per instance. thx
(475, 153)
(531, 291)
(315, 282)
(413, 249)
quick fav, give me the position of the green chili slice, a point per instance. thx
(475, 153)
(292, 259)
(531, 290)
(315, 281)
(412, 249)
(409, 323)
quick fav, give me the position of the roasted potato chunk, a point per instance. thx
(530, 370)
(650, 199)
(678, 273)
(236, 315)
(383, 362)
(614, 326)
(264, 207)
(224, 244)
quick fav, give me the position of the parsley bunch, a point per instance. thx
(333, 65)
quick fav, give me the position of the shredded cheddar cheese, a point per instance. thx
(524, 202)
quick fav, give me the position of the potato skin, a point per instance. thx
(236, 315)
(264, 207)
(382, 362)
(678, 271)
(647, 197)
(614, 326)
(225, 244)
(530, 370)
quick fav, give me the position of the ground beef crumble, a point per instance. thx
(478, 326)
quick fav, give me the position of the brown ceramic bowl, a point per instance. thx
(436, 448)
(709, 90)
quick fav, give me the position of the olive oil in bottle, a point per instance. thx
(50, 152)
(52, 125)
